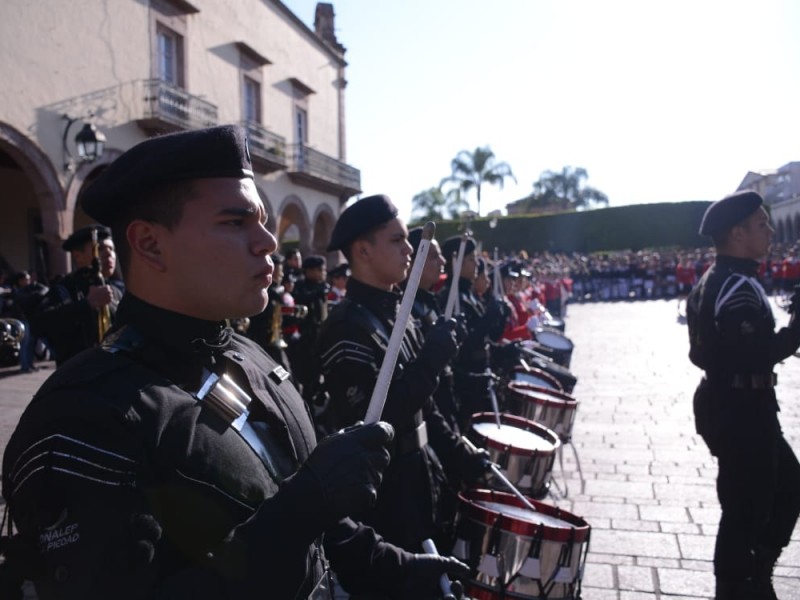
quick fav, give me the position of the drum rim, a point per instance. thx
(516, 421)
(570, 344)
(541, 373)
(558, 398)
(578, 532)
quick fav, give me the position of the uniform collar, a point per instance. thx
(183, 333)
(382, 303)
(748, 266)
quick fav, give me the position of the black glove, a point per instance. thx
(421, 574)
(505, 356)
(343, 473)
(475, 464)
(441, 345)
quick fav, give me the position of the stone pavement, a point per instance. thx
(646, 482)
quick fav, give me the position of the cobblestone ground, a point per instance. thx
(646, 481)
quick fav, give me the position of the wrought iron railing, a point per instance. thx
(316, 164)
(166, 102)
(265, 144)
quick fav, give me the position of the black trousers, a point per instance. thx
(758, 484)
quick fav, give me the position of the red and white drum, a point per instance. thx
(553, 409)
(519, 553)
(534, 376)
(524, 450)
(554, 344)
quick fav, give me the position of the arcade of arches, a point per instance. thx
(39, 209)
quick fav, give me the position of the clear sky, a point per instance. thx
(658, 100)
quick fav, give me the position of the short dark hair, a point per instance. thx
(369, 236)
(163, 205)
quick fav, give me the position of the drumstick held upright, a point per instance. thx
(378, 399)
(452, 296)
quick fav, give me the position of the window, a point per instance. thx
(169, 52)
(301, 125)
(251, 94)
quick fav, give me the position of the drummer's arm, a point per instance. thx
(451, 450)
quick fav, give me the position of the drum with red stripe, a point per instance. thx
(519, 553)
(553, 409)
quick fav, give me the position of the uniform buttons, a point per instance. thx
(237, 357)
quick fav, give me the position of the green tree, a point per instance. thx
(471, 170)
(435, 205)
(565, 190)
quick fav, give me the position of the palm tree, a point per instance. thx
(565, 189)
(435, 205)
(473, 169)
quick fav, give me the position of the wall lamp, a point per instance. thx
(89, 143)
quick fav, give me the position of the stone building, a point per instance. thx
(126, 70)
(780, 189)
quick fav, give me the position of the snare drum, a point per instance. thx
(537, 377)
(554, 344)
(538, 360)
(555, 410)
(519, 553)
(524, 450)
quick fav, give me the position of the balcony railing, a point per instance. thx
(167, 107)
(315, 169)
(267, 149)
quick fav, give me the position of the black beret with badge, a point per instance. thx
(217, 152)
(342, 270)
(724, 214)
(83, 235)
(359, 218)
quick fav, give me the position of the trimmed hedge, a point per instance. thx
(668, 224)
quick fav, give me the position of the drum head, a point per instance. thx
(536, 377)
(553, 339)
(521, 435)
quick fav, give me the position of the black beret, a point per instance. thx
(277, 258)
(343, 270)
(730, 211)
(451, 245)
(415, 237)
(359, 218)
(218, 152)
(313, 262)
(83, 235)
(509, 269)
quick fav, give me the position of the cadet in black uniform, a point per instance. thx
(485, 323)
(732, 338)
(177, 460)
(352, 345)
(67, 317)
(310, 291)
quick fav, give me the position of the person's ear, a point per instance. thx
(145, 240)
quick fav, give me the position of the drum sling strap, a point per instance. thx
(225, 398)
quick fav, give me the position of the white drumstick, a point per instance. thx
(452, 297)
(494, 397)
(498, 285)
(430, 548)
(376, 403)
(499, 474)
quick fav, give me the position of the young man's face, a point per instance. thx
(757, 234)
(434, 266)
(82, 257)
(316, 274)
(388, 257)
(217, 257)
(469, 267)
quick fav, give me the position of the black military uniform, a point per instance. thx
(485, 324)
(177, 460)
(314, 296)
(64, 317)
(733, 339)
(351, 348)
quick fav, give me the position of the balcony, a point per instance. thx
(319, 171)
(168, 108)
(267, 149)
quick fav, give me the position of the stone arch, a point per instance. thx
(324, 220)
(272, 222)
(780, 232)
(293, 212)
(43, 177)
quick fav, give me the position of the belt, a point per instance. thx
(412, 440)
(748, 381)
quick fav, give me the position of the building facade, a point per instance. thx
(138, 68)
(780, 189)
